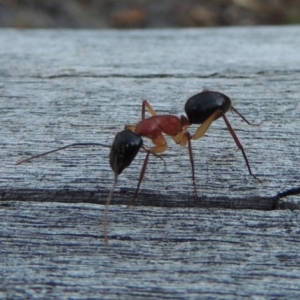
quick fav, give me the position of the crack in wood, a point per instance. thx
(152, 199)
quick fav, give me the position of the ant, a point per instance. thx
(202, 108)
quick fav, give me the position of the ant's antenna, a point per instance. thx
(105, 220)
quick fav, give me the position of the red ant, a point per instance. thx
(202, 108)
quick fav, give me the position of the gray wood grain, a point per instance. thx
(56, 250)
(61, 87)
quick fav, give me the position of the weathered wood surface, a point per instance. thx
(60, 87)
(55, 250)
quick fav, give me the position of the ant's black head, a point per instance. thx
(124, 149)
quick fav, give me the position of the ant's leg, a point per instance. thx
(238, 113)
(205, 125)
(160, 146)
(198, 134)
(239, 145)
(182, 139)
(154, 154)
(147, 106)
(192, 161)
(140, 179)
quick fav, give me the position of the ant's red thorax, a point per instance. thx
(157, 125)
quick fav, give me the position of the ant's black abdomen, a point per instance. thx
(124, 149)
(200, 106)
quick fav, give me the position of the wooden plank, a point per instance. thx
(61, 87)
(86, 86)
